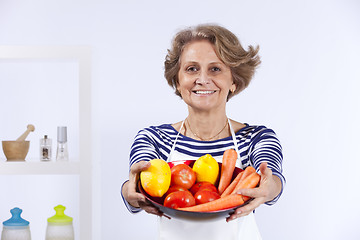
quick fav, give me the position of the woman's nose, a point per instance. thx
(203, 78)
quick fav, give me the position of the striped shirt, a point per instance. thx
(256, 144)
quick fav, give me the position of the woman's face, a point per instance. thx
(204, 80)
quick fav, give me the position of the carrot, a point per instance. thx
(250, 181)
(248, 170)
(218, 204)
(232, 185)
(227, 169)
(245, 198)
(228, 201)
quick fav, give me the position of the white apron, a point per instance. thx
(244, 228)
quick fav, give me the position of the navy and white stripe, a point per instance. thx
(256, 144)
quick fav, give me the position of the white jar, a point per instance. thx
(56, 231)
(60, 226)
(16, 228)
(16, 233)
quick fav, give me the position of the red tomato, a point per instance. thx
(175, 188)
(204, 196)
(203, 185)
(179, 199)
(182, 175)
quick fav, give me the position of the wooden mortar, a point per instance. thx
(15, 150)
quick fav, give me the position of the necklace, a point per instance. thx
(206, 139)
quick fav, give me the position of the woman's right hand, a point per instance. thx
(134, 198)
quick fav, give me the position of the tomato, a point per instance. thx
(203, 185)
(175, 188)
(182, 175)
(204, 196)
(179, 199)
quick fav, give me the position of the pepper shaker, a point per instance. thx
(45, 148)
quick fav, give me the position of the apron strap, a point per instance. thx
(235, 143)
(236, 146)
(173, 146)
(234, 139)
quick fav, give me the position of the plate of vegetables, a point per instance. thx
(201, 189)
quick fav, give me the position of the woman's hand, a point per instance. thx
(133, 197)
(269, 188)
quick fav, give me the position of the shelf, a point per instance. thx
(81, 167)
(39, 168)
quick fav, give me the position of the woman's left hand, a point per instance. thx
(269, 188)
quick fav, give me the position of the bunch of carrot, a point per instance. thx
(227, 188)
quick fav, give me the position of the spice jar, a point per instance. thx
(45, 148)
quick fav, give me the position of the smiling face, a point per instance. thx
(204, 80)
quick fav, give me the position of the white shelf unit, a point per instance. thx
(40, 168)
(81, 167)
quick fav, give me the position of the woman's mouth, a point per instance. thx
(202, 92)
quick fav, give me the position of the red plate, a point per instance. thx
(157, 202)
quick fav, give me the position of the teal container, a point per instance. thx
(16, 228)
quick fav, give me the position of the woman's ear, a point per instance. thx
(178, 88)
(233, 88)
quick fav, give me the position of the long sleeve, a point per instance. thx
(266, 148)
(143, 149)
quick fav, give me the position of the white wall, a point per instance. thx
(306, 90)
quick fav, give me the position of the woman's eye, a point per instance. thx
(215, 69)
(191, 69)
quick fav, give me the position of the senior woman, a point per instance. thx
(207, 66)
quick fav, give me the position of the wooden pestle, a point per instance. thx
(30, 128)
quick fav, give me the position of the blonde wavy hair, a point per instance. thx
(242, 63)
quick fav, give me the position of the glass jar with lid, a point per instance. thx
(60, 226)
(16, 228)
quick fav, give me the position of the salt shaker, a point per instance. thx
(62, 149)
(16, 228)
(60, 226)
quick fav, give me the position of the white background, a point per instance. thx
(306, 90)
